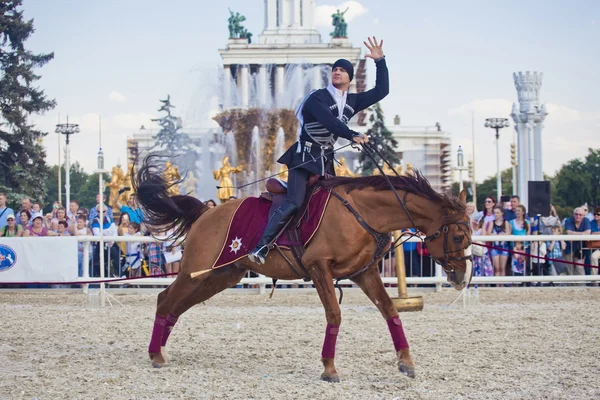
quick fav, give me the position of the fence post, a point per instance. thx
(86, 266)
(438, 276)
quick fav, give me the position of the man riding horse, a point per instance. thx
(322, 117)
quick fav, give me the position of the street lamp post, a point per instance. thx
(67, 130)
(497, 124)
(460, 167)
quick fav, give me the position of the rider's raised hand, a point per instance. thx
(375, 49)
(360, 138)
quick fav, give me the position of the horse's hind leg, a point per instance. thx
(370, 283)
(184, 293)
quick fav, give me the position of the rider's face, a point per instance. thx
(339, 77)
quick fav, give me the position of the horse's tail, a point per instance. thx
(160, 210)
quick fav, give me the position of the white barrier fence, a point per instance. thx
(431, 273)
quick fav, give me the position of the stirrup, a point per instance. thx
(258, 256)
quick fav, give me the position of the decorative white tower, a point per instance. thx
(529, 118)
(289, 21)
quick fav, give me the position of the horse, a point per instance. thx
(342, 247)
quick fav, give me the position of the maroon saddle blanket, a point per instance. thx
(249, 220)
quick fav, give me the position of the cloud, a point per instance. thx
(562, 114)
(323, 13)
(117, 97)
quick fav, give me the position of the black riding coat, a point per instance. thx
(322, 125)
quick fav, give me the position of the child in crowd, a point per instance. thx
(36, 210)
(518, 260)
(82, 230)
(134, 252)
(63, 227)
(536, 250)
(555, 251)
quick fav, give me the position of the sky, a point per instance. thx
(447, 60)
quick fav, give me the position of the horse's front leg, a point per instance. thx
(370, 283)
(323, 281)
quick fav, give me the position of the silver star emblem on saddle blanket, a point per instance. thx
(235, 245)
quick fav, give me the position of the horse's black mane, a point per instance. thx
(414, 183)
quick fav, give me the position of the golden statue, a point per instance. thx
(190, 184)
(127, 182)
(409, 169)
(283, 173)
(388, 171)
(172, 175)
(117, 180)
(226, 184)
(342, 169)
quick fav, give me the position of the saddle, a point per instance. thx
(276, 193)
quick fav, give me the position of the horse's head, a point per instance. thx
(449, 243)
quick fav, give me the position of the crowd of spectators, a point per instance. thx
(121, 258)
(544, 257)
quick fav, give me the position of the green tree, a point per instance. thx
(383, 138)
(573, 184)
(488, 187)
(592, 164)
(23, 169)
(79, 179)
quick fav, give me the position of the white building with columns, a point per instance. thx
(288, 60)
(529, 119)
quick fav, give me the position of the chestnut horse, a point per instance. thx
(340, 248)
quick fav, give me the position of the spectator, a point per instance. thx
(11, 229)
(211, 203)
(94, 211)
(134, 252)
(135, 214)
(595, 230)
(25, 220)
(518, 260)
(510, 214)
(173, 254)
(37, 228)
(25, 206)
(111, 250)
(472, 211)
(72, 213)
(537, 249)
(82, 230)
(4, 211)
(63, 228)
(123, 230)
(519, 225)
(586, 213)
(488, 212)
(548, 223)
(500, 253)
(60, 214)
(555, 250)
(36, 210)
(482, 263)
(576, 225)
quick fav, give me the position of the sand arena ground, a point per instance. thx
(519, 343)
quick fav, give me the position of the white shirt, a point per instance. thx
(340, 99)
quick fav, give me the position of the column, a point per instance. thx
(537, 146)
(523, 176)
(299, 78)
(271, 14)
(263, 85)
(279, 83)
(285, 9)
(245, 93)
(317, 78)
(531, 165)
(226, 86)
(296, 11)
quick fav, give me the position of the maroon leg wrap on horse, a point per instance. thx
(330, 338)
(171, 320)
(157, 334)
(398, 337)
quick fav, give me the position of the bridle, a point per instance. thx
(445, 231)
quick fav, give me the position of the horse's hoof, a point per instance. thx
(330, 379)
(157, 360)
(406, 370)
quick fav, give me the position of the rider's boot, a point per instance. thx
(280, 217)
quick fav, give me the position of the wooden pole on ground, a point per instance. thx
(404, 302)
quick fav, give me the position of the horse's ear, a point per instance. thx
(463, 197)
